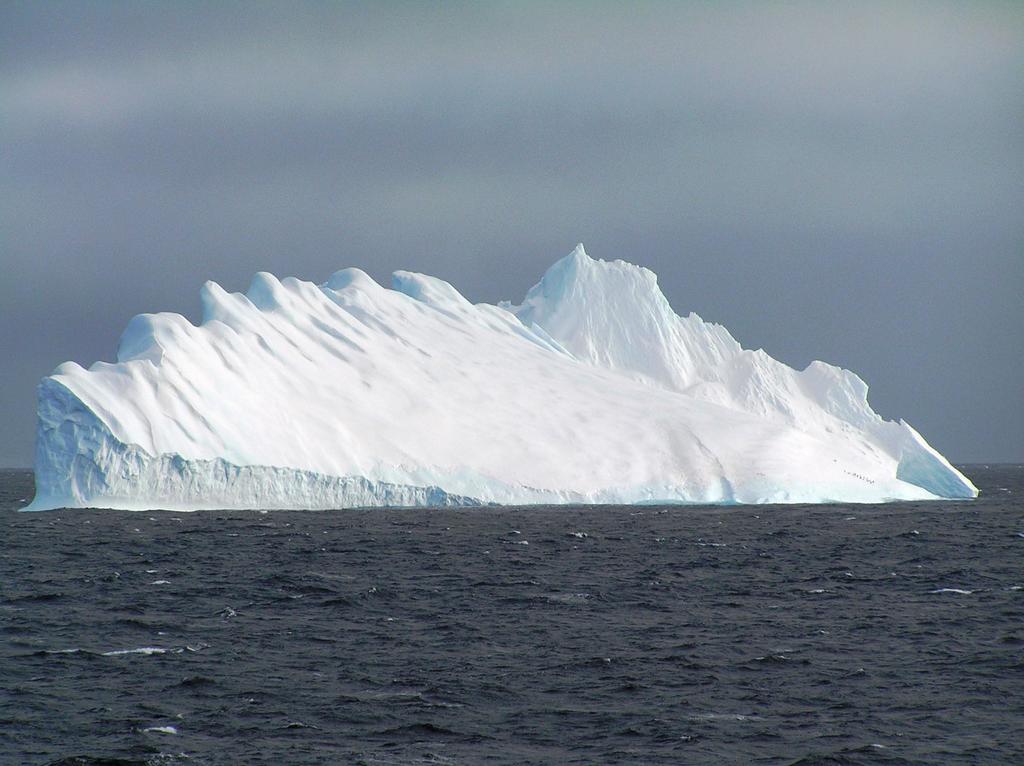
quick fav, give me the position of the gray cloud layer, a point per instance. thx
(836, 182)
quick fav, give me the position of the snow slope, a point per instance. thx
(350, 394)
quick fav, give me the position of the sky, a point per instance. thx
(842, 182)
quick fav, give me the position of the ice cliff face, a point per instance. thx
(592, 390)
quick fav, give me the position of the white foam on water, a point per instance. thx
(568, 598)
(139, 650)
(961, 591)
(724, 717)
(161, 729)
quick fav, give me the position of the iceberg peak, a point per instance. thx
(430, 291)
(578, 276)
(612, 314)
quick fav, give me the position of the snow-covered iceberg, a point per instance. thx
(592, 390)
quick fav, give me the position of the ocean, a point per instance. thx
(840, 634)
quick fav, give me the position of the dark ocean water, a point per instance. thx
(744, 635)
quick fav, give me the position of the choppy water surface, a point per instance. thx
(777, 635)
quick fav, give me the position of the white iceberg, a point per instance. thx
(592, 390)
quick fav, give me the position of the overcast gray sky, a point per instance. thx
(829, 181)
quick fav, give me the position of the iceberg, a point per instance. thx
(591, 390)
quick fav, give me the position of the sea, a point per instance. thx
(812, 635)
